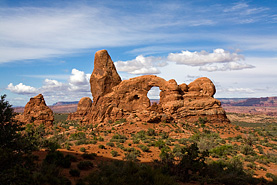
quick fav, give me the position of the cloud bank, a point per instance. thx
(32, 32)
(205, 60)
(203, 57)
(141, 65)
(77, 87)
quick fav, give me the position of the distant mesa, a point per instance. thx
(257, 102)
(115, 99)
(36, 111)
(64, 103)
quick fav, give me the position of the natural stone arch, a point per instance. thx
(154, 94)
(115, 99)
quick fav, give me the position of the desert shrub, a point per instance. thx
(177, 151)
(166, 156)
(101, 138)
(183, 141)
(222, 150)
(120, 146)
(74, 172)
(191, 163)
(151, 132)
(160, 143)
(129, 173)
(132, 154)
(101, 146)
(272, 176)
(51, 145)
(141, 135)
(85, 165)
(82, 142)
(49, 174)
(93, 142)
(118, 138)
(202, 121)
(111, 144)
(77, 136)
(114, 153)
(261, 151)
(82, 149)
(168, 142)
(89, 156)
(230, 172)
(247, 150)
(67, 145)
(71, 158)
(57, 158)
(136, 140)
(164, 135)
(251, 165)
(144, 148)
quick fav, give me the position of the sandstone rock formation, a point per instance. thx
(84, 107)
(104, 76)
(37, 112)
(115, 99)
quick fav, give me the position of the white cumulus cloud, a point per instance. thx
(204, 57)
(244, 90)
(21, 89)
(226, 67)
(141, 65)
(79, 81)
(76, 87)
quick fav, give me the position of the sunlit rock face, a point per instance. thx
(115, 99)
(83, 108)
(36, 111)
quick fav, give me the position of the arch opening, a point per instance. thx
(154, 95)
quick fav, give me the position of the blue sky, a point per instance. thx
(48, 46)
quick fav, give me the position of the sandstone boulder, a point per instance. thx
(36, 111)
(84, 107)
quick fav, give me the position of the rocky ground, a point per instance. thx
(251, 137)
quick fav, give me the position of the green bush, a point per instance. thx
(57, 158)
(132, 154)
(77, 136)
(85, 165)
(111, 144)
(118, 138)
(89, 156)
(101, 146)
(151, 132)
(129, 173)
(101, 138)
(74, 172)
(82, 149)
(272, 176)
(222, 150)
(191, 163)
(247, 150)
(114, 153)
(71, 158)
(160, 143)
(144, 148)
